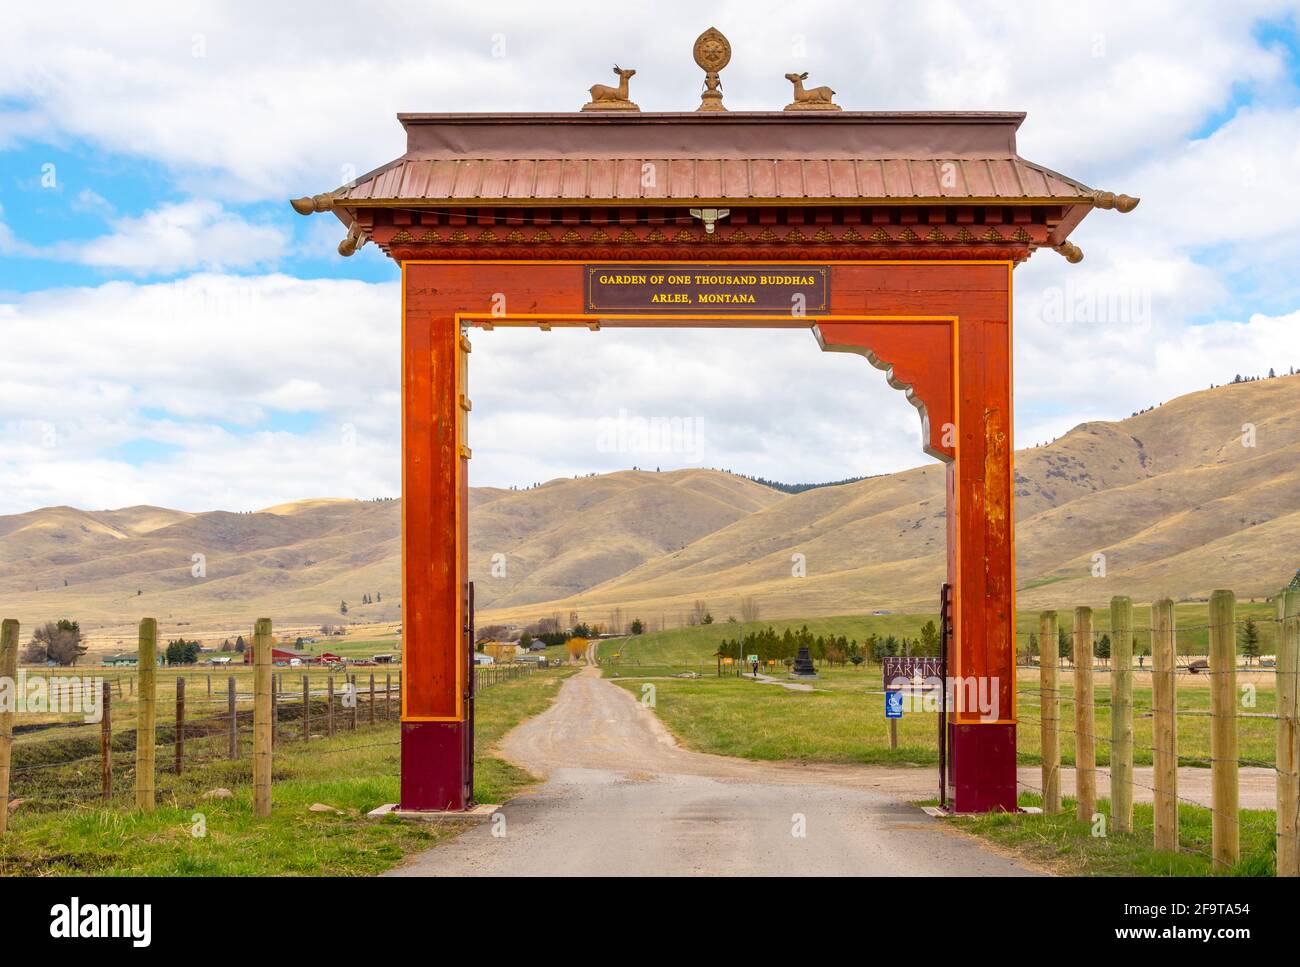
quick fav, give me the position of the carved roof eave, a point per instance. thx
(1074, 208)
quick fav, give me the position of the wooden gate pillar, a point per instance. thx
(437, 741)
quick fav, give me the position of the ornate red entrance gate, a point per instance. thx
(906, 227)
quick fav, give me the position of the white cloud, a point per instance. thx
(182, 236)
(254, 100)
(174, 237)
(278, 105)
(204, 363)
(200, 365)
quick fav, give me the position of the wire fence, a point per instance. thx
(63, 763)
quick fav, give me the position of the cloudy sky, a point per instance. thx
(174, 334)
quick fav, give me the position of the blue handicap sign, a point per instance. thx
(893, 704)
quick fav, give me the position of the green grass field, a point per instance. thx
(1069, 847)
(62, 827)
(842, 720)
(694, 647)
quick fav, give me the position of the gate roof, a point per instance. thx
(712, 158)
(471, 162)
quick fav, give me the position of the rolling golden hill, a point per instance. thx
(1172, 498)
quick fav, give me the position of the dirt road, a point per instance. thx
(621, 798)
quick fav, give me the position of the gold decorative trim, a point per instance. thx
(1073, 254)
(1120, 203)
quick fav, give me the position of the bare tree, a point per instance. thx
(748, 609)
(699, 610)
(57, 642)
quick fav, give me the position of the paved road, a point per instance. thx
(621, 798)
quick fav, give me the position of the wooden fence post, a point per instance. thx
(106, 744)
(306, 708)
(262, 717)
(372, 699)
(388, 696)
(180, 724)
(329, 708)
(356, 702)
(1225, 834)
(231, 704)
(1121, 714)
(275, 708)
(1288, 734)
(146, 716)
(1085, 741)
(1164, 694)
(893, 733)
(1048, 675)
(209, 686)
(8, 670)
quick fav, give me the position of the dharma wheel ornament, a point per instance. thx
(712, 52)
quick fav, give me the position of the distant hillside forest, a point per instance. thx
(799, 488)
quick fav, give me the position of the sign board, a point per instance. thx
(753, 659)
(910, 669)
(709, 289)
(728, 661)
(893, 704)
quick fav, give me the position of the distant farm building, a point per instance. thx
(280, 656)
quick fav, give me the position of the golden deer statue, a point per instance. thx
(816, 99)
(606, 98)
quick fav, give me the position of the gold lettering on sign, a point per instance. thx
(766, 290)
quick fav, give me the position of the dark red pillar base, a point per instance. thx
(983, 759)
(433, 766)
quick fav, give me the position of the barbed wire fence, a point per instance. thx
(81, 764)
(1233, 706)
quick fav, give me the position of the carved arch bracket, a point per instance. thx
(918, 357)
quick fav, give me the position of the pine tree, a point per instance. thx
(1249, 638)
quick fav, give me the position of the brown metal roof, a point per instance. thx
(632, 159)
(507, 181)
